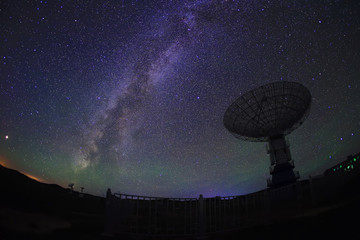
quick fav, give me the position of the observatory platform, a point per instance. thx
(267, 114)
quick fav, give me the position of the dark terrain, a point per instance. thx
(34, 210)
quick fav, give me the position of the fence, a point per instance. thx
(131, 214)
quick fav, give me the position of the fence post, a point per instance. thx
(201, 216)
(109, 217)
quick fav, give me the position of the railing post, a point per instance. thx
(109, 217)
(201, 216)
(267, 205)
(312, 192)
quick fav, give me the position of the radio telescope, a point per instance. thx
(267, 114)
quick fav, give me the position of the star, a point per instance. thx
(116, 95)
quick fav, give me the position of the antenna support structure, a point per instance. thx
(267, 114)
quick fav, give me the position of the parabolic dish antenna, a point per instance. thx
(267, 114)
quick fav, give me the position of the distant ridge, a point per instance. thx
(22, 192)
(15, 175)
(33, 210)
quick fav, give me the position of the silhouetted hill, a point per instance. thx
(33, 210)
(22, 192)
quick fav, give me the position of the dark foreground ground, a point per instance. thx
(33, 210)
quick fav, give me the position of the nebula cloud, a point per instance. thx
(112, 135)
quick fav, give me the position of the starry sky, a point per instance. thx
(130, 95)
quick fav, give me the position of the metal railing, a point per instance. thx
(185, 216)
(132, 214)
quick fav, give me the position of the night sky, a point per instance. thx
(130, 95)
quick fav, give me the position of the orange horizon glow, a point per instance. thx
(7, 163)
(33, 177)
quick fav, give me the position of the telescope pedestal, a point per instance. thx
(282, 165)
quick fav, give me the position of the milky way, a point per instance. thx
(130, 95)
